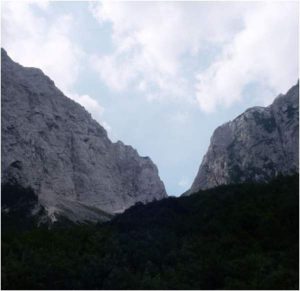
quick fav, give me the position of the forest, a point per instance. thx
(243, 236)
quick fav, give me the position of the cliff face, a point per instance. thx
(51, 144)
(256, 146)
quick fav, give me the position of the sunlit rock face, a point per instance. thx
(258, 145)
(51, 144)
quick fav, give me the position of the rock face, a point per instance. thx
(51, 144)
(256, 146)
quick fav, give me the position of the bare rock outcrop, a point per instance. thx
(258, 145)
(51, 144)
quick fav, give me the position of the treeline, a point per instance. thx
(230, 237)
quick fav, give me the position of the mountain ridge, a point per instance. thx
(257, 145)
(52, 144)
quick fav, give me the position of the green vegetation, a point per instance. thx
(17, 206)
(231, 237)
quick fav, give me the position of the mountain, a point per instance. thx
(52, 145)
(258, 145)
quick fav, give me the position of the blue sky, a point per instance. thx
(160, 76)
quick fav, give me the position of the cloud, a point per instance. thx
(32, 40)
(265, 51)
(114, 70)
(164, 45)
(150, 40)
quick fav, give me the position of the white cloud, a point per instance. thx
(142, 86)
(32, 40)
(114, 70)
(151, 39)
(257, 41)
(265, 51)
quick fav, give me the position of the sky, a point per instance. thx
(160, 76)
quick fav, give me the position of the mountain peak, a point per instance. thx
(52, 145)
(258, 145)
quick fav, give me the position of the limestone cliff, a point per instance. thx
(258, 145)
(51, 144)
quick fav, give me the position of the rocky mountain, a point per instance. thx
(258, 145)
(52, 145)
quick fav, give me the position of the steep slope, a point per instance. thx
(52, 145)
(256, 146)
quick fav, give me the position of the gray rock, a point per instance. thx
(257, 146)
(51, 144)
